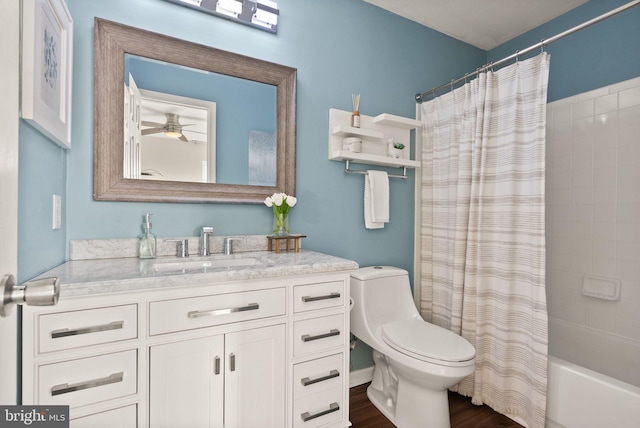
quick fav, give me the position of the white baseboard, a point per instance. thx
(359, 377)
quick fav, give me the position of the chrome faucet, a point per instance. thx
(205, 233)
(228, 245)
(182, 247)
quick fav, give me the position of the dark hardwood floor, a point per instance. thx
(363, 414)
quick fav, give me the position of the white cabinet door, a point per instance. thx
(186, 384)
(255, 378)
(235, 380)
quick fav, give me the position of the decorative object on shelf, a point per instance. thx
(47, 58)
(281, 204)
(261, 14)
(395, 149)
(355, 116)
(352, 144)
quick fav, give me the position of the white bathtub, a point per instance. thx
(578, 397)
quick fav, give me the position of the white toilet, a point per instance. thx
(415, 361)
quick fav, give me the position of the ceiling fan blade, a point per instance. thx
(147, 123)
(183, 138)
(152, 131)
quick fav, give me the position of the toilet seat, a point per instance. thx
(428, 342)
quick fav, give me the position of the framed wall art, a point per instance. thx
(47, 62)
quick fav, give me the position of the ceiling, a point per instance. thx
(486, 27)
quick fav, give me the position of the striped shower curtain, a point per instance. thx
(483, 232)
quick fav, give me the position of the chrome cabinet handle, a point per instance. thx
(306, 416)
(307, 381)
(226, 311)
(232, 362)
(65, 332)
(65, 388)
(216, 363)
(333, 332)
(334, 295)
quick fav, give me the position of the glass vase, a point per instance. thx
(280, 224)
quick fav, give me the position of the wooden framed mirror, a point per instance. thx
(113, 42)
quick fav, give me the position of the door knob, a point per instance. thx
(39, 292)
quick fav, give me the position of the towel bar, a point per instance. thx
(351, 171)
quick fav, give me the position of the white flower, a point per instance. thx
(268, 202)
(291, 200)
(278, 198)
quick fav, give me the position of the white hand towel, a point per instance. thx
(376, 199)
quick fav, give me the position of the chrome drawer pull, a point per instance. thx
(65, 332)
(334, 295)
(333, 407)
(226, 311)
(333, 332)
(332, 374)
(66, 388)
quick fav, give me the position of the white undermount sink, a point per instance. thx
(203, 263)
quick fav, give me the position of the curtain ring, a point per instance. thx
(451, 85)
(542, 46)
(517, 56)
(465, 78)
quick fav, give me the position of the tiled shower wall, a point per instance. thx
(593, 206)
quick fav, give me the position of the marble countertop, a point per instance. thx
(103, 276)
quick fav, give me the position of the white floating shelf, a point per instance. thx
(349, 131)
(365, 158)
(396, 121)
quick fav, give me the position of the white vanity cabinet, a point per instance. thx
(266, 352)
(231, 379)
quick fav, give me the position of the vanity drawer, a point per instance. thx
(65, 330)
(318, 296)
(318, 334)
(318, 409)
(123, 417)
(88, 380)
(197, 312)
(317, 375)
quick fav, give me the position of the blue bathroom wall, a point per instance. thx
(42, 173)
(339, 48)
(602, 54)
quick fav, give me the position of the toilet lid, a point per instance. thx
(427, 341)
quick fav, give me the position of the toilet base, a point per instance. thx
(414, 407)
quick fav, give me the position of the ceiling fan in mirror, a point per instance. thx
(171, 128)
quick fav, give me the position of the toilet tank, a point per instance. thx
(381, 294)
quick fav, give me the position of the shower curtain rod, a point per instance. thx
(420, 97)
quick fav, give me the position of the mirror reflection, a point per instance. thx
(189, 125)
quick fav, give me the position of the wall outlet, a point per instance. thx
(57, 212)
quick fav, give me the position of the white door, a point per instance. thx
(255, 377)
(9, 84)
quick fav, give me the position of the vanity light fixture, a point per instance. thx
(232, 8)
(262, 14)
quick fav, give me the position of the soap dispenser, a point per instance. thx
(147, 239)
